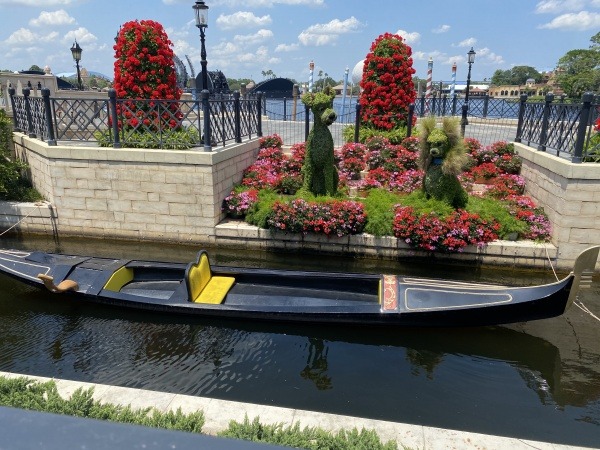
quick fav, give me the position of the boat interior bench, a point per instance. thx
(123, 280)
(202, 285)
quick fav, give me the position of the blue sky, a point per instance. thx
(247, 37)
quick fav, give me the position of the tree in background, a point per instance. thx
(515, 76)
(579, 70)
(145, 69)
(36, 68)
(387, 85)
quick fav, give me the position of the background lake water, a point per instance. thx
(539, 380)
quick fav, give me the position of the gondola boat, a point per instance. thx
(199, 289)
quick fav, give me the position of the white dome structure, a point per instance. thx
(357, 72)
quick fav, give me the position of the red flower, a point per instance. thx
(145, 69)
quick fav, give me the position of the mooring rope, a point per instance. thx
(577, 302)
(22, 219)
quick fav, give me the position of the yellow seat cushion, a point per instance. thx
(215, 291)
(203, 287)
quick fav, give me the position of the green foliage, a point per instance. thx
(181, 139)
(235, 84)
(259, 213)
(578, 70)
(306, 438)
(319, 171)
(592, 151)
(395, 135)
(28, 394)
(13, 185)
(379, 207)
(423, 205)
(516, 75)
(490, 209)
(447, 145)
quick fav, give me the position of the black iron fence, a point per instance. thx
(564, 128)
(174, 124)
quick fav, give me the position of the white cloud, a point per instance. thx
(37, 3)
(56, 18)
(327, 33)
(559, 6)
(242, 19)
(225, 48)
(583, 20)
(488, 56)
(470, 42)
(23, 37)
(261, 35)
(287, 47)
(253, 3)
(441, 29)
(82, 35)
(409, 37)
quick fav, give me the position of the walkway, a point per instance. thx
(218, 413)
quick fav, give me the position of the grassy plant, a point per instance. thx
(170, 139)
(490, 209)
(13, 185)
(260, 212)
(306, 438)
(28, 394)
(379, 206)
(37, 396)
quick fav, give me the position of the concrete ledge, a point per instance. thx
(27, 217)
(505, 253)
(218, 414)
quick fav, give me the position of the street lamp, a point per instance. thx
(465, 108)
(201, 11)
(76, 52)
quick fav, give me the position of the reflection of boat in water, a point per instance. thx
(400, 375)
(197, 289)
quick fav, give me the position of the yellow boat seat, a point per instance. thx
(202, 286)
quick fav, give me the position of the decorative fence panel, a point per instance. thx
(141, 123)
(563, 128)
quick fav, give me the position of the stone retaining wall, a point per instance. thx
(175, 196)
(163, 195)
(569, 194)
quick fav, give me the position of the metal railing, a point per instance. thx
(174, 124)
(565, 128)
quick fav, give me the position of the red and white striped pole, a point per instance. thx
(429, 85)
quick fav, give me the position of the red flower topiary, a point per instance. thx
(144, 69)
(387, 86)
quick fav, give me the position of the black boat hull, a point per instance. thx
(297, 296)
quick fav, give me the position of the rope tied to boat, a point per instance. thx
(578, 302)
(22, 219)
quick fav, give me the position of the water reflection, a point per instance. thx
(539, 380)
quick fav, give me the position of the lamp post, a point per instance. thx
(76, 52)
(465, 107)
(201, 11)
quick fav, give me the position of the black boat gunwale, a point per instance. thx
(302, 296)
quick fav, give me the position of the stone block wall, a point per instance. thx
(569, 194)
(136, 194)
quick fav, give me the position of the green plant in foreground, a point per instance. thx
(37, 396)
(27, 394)
(306, 438)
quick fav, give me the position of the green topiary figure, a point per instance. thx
(320, 174)
(443, 156)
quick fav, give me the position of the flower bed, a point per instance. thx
(392, 168)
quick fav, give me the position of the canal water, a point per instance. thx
(538, 380)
